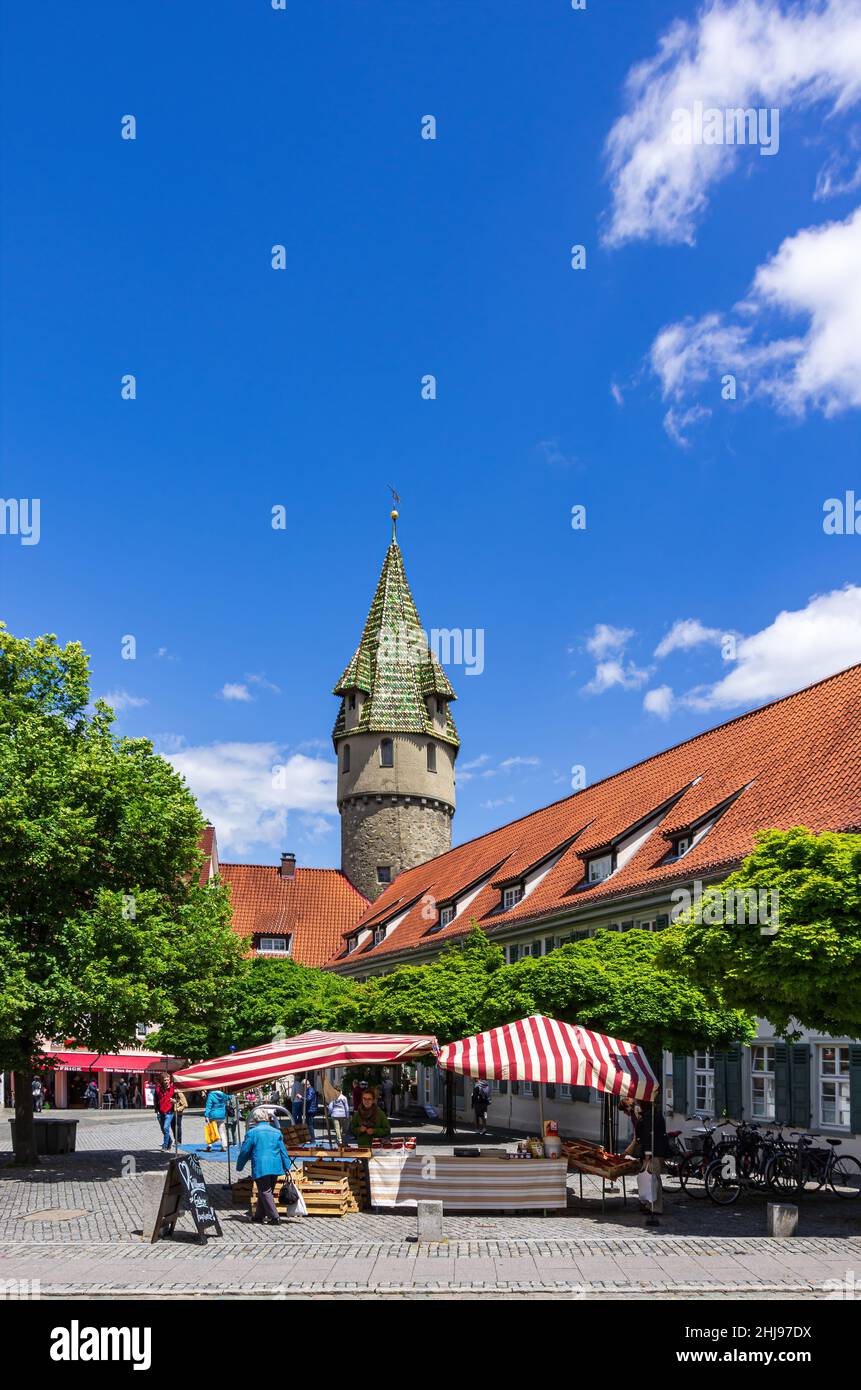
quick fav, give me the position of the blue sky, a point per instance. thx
(555, 387)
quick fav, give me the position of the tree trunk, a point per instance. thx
(25, 1133)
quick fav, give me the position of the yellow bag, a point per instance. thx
(211, 1132)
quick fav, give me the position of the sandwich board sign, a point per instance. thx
(183, 1183)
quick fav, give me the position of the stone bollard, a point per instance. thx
(782, 1219)
(429, 1216)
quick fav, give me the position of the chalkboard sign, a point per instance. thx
(184, 1182)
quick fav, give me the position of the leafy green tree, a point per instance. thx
(102, 920)
(798, 965)
(446, 997)
(613, 983)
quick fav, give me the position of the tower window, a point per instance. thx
(387, 753)
(351, 703)
(384, 873)
(345, 761)
(431, 757)
(440, 708)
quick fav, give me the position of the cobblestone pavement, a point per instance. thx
(72, 1224)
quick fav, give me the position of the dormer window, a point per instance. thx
(681, 845)
(512, 896)
(440, 708)
(387, 753)
(431, 757)
(599, 868)
(352, 943)
(379, 935)
(351, 701)
(345, 759)
(446, 915)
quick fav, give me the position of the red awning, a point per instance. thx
(104, 1061)
(306, 1052)
(543, 1049)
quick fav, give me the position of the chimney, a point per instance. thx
(288, 865)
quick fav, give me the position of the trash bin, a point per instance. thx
(52, 1136)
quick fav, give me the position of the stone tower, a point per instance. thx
(395, 741)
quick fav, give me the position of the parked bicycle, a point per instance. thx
(803, 1165)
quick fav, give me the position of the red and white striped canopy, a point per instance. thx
(543, 1049)
(305, 1053)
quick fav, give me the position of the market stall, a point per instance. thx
(495, 1183)
(313, 1051)
(546, 1050)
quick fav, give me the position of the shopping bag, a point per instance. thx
(647, 1187)
(211, 1132)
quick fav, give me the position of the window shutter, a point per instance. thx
(661, 921)
(855, 1089)
(799, 1079)
(551, 1090)
(728, 1083)
(781, 1083)
(503, 1088)
(582, 1093)
(680, 1084)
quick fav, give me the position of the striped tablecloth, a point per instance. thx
(402, 1178)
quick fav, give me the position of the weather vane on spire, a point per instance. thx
(396, 499)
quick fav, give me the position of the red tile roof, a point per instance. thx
(315, 907)
(796, 761)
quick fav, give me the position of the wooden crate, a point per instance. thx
(242, 1192)
(294, 1136)
(329, 1198)
(356, 1174)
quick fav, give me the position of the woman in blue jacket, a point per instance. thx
(216, 1111)
(265, 1147)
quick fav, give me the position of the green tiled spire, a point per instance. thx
(393, 665)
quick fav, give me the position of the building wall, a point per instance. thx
(396, 831)
(409, 774)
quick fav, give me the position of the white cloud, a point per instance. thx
(816, 275)
(614, 672)
(684, 634)
(677, 422)
(751, 53)
(120, 700)
(263, 684)
(248, 789)
(500, 801)
(659, 701)
(606, 639)
(508, 763)
(616, 393)
(233, 690)
(801, 646)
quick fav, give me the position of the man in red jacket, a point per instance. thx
(163, 1105)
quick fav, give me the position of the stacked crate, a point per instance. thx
(354, 1173)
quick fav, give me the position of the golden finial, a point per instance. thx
(394, 516)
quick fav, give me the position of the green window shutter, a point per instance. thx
(581, 1092)
(800, 1085)
(503, 1088)
(855, 1089)
(782, 1109)
(728, 1083)
(680, 1084)
(550, 1090)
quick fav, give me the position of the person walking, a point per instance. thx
(297, 1101)
(232, 1118)
(163, 1104)
(91, 1095)
(215, 1112)
(180, 1105)
(264, 1146)
(388, 1091)
(122, 1094)
(339, 1114)
(480, 1104)
(38, 1094)
(311, 1104)
(649, 1143)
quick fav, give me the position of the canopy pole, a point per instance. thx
(449, 1130)
(541, 1108)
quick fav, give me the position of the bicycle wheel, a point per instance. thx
(691, 1175)
(845, 1177)
(722, 1184)
(781, 1174)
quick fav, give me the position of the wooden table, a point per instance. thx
(401, 1178)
